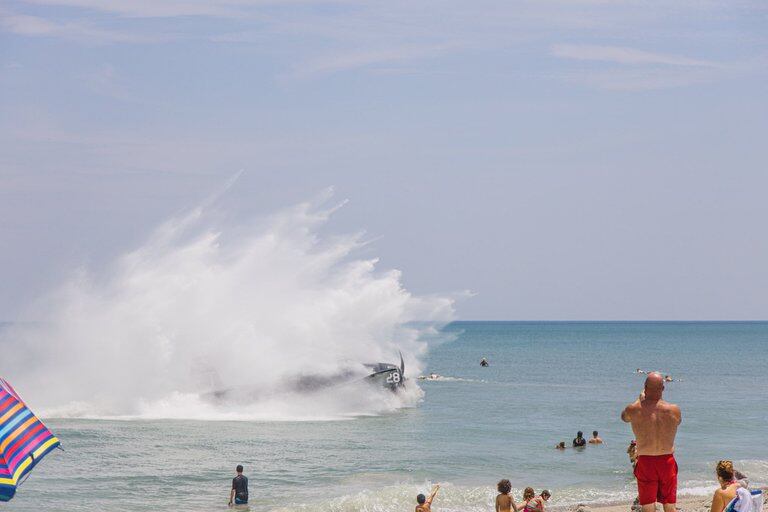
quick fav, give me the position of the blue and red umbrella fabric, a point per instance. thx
(24, 440)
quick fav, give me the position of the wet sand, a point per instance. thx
(684, 504)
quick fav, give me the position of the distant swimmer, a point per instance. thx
(579, 440)
(504, 501)
(560, 445)
(667, 378)
(595, 439)
(239, 493)
(483, 362)
(425, 503)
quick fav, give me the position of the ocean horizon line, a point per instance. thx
(680, 321)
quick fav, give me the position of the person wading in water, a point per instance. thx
(239, 493)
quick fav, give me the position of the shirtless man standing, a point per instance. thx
(654, 423)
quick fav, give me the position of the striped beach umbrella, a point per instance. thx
(24, 440)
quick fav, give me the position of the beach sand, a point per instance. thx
(684, 504)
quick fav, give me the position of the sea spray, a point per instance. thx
(206, 305)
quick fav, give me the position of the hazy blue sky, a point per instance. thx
(580, 159)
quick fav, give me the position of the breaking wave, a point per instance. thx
(474, 498)
(202, 307)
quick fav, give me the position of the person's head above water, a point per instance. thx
(561, 444)
(420, 499)
(654, 386)
(579, 434)
(546, 494)
(504, 486)
(528, 493)
(594, 433)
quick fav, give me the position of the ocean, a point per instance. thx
(546, 380)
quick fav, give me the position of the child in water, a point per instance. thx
(504, 501)
(425, 503)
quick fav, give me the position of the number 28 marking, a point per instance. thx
(393, 378)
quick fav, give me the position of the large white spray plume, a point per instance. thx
(202, 307)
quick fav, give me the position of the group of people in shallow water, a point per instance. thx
(580, 442)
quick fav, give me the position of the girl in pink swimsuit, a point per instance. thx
(535, 503)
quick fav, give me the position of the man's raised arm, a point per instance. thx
(625, 416)
(678, 414)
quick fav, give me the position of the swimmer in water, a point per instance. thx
(667, 378)
(483, 362)
(560, 445)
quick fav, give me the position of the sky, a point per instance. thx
(560, 160)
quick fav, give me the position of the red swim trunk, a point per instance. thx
(656, 478)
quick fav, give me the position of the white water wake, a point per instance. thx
(204, 306)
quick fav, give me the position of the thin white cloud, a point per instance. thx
(150, 8)
(623, 55)
(171, 8)
(107, 81)
(26, 25)
(365, 58)
(645, 79)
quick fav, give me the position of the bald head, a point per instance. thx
(654, 386)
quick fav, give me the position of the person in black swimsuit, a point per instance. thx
(579, 440)
(239, 493)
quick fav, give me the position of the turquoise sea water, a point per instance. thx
(545, 382)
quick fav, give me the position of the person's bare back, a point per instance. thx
(654, 420)
(504, 503)
(654, 423)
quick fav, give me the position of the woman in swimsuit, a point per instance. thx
(504, 501)
(728, 486)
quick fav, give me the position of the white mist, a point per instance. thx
(206, 304)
